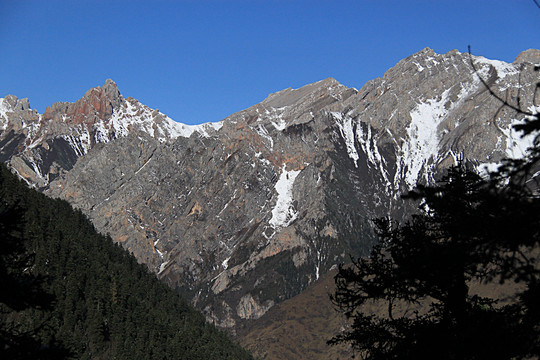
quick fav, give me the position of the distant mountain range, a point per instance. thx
(244, 213)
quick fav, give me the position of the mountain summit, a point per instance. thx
(41, 147)
(245, 213)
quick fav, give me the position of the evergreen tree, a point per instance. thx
(22, 290)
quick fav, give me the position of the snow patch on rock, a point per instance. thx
(503, 68)
(422, 143)
(4, 109)
(79, 140)
(261, 130)
(101, 134)
(162, 267)
(284, 212)
(345, 125)
(133, 114)
(517, 145)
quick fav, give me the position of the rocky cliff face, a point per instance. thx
(245, 213)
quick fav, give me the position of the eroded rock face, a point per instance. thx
(245, 213)
(250, 308)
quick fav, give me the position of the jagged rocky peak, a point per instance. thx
(288, 107)
(425, 61)
(314, 96)
(97, 104)
(288, 97)
(12, 108)
(431, 108)
(531, 56)
(428, 62)
(108, 90)
(16, 114)
(107, 97)
(42, 147)
(12, 103)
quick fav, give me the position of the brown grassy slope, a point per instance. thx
(298, 328)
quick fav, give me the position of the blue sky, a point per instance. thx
(202, 60)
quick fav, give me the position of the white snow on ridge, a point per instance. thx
(368, 143)
(144, 118)
(281, 125)
(203, 128)
(180, 130)
(284, 213)
(503, 68)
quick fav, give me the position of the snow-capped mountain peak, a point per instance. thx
(73, 129)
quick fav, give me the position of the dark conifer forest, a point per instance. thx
(69, 292)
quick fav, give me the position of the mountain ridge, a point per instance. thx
(247, 212)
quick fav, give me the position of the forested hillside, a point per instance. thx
(68, 291)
